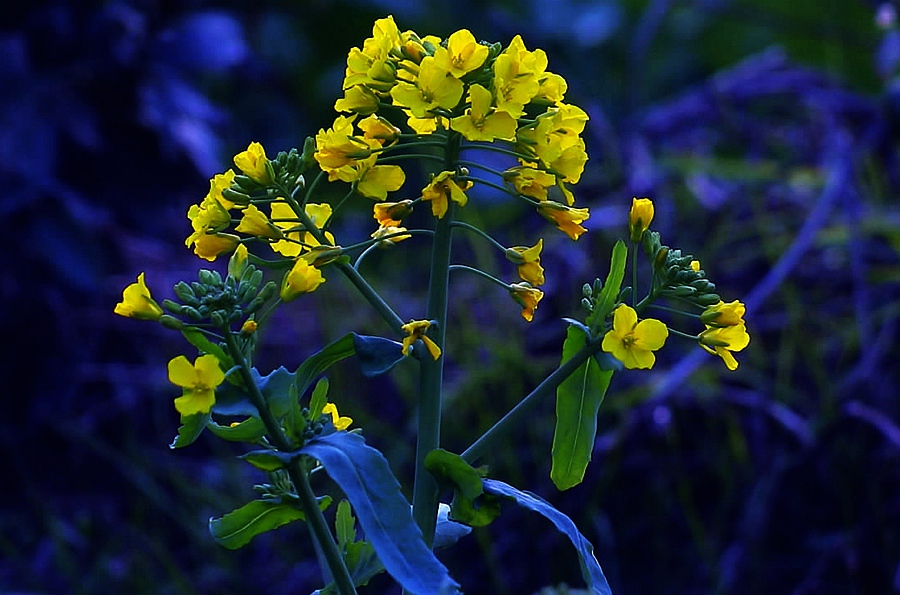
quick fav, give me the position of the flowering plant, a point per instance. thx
(441, 103)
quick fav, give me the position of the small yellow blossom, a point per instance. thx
(377, 128)
(253, 162)
(722, 341)
(435, 88)
(640, 217)
(415, 329)
(462, 55)
(358, 99)
(390, 214)
(337, 147)
(296, 239)
(249, 327)
(526, 296)
(390, 234)
(530, 181)
(198, 382)
(375, 181)
(722, 314)
(632, 342)
(209, 245)
(238, 261)
(255, 223)
(217, 184)
(443, 187)
(137, 303)
(339, 423)
(479, 124)
(302, 278)
(695, 266)
(528, 262)
(567, 219)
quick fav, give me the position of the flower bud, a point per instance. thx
(640, 217)
(170, 322)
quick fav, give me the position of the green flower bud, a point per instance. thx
(173, 307)
(170, 322)
(587, 304)
(586, 290)
(236, 197)
(245, 183)
(192, 313)
(217, 317)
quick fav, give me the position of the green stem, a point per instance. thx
(314, 518)
(425, 489)
(521, 415)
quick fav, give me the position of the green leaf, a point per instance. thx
(590, 568)
(319, 399)
(267, 460)
(578, 399)
(249, 430)
(606, 300)
(470, 505)
(383, 513)
(321, 361)
(275, 388)
(237, 528)
(204, 345)
(377, 355)
(191, 428)
(344, 524)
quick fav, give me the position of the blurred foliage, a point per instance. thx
(765, 131)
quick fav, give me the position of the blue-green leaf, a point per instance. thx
(249, 430)
(321, 361)
(590, 568)
(578, 399)
(376, 355)
(275, 388)
(383, 513)
(470, 504)
(191, 428)
(238, 527)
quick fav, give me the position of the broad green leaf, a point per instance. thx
(191, 428)
(383, 513)
(376, 355)
(267, 460)
(604, 303)
(319, 399)
(578, 399)
(344, 524)
(237, 528)
(321, 361)
(470, 505)
(204, 345)
(249, 430)
(275, 388)
(590, 568)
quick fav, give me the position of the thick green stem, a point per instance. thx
(521, 415)
(314, 518)
(425, 489)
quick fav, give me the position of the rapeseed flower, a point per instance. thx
(415, 330)
(632, 342)
(137, 302)
(198, 382)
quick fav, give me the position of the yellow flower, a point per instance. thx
(529, 181)
(209, 245)
(425, 126)
(567, 219)
(415, 329)
(253, 163)
(358, 99)
(528, 261)
(375, 181)
(517, 73)
(722, 314)
(442, 187)
(479, 124)
(209, 215)
(390, 230)
(377, 128)
(217, 184)
(296, 239)
(722, 341)
(553, 88)
(137, 303)
(632, 342)
(198, 382)
(462, 55)
(337, 147)
(695, 266)
(255, 223)
(392, 213)
(238, 261)
(339, 423)
(434, 88)
(385, 37)
(249, 327)
(526, 296)
(640, 217)
(302, 278)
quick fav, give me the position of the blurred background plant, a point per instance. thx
(765, 132)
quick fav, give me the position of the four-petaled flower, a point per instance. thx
(723, 340)
(722, 314)
(198, 382)
(526, 296)
(479, 123)
(137, 303)
(254, 163)
(443, 186)
(639, 219)
(303, 277)
(632, 342)
(415, 330)
(567, 219)
(528, 262)
(339, 423)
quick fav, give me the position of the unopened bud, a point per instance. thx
(170, 322)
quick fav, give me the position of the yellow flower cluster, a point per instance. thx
(485, 93)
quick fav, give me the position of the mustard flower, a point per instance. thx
(632, 342)
(434, 88)
(296, 238)
(530, 181)
(137, 302)
(217, 184)
(253, 162)
(567, 219)
(379, 129)
(339, 423)
(517, 74)
(479, 124)
(208, 246)
(358, 99)
(375, 181)
(462, 55)
(302, 278)
(640, 217)
(527, 297)
(443, 187)
(238, 261)
(254, 222)
(722, 341)
(208, 216)
(198, 382)
(415, 330)
(425, 126)
(392, 213)
(528, 262)
(337, 147)
(695, 266)
(722, 314)
(396, 232)
(385, 37)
